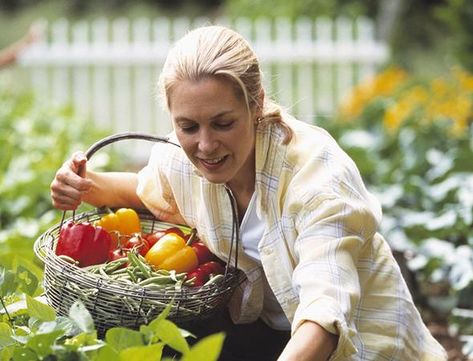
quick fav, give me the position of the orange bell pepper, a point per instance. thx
(172, 253)
(124, 222)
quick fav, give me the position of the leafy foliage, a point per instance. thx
(35, 332)
(412, 139)
(36, 140)
(458, 15)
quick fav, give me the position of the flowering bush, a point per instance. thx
(413, 142)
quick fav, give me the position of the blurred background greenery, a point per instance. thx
(409, 129)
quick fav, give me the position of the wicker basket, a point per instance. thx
(113, 302)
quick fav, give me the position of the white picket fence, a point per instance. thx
(108, 69)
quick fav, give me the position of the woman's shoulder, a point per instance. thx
(169, 156)
(312, 143)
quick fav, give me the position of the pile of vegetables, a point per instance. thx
(116, 247)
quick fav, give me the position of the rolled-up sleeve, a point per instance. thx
(154, 189)
(332, 231)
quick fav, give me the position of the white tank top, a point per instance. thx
(251, 231)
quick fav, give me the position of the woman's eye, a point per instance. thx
(224, 125)
(189, 128)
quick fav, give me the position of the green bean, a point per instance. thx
(214, 279)
(102, 272)
(114, 265)
(154, 287)
(136, 262)
(119, 271)
(156, 280)
(68, 259)
(189, 282)
(131, 274)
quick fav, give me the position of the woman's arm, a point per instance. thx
(73, 184)
(113, 189)
(310, 342)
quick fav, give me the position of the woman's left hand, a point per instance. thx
(310, 342)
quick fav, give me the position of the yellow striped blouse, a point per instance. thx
(321, 252)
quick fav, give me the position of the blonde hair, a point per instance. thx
(216, 51)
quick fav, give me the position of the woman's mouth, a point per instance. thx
(212, 163)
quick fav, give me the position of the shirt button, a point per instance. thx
(267, 251)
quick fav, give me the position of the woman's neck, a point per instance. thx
(242, 194)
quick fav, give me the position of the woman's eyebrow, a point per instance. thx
(216, 116)
(225, 112)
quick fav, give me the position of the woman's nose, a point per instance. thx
(208, 143)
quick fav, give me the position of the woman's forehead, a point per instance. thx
(210, 94)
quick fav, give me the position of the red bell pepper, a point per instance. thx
(84, 242)
(202, 273)
(202, 252)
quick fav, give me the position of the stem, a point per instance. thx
(191, 237)
(6, 311)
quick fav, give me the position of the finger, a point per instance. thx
(64, 196)
(64, 202)
(79, 164)
(67, 178)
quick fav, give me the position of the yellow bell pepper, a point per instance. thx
(128, 221)
(172, 253)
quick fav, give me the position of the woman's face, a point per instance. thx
(215, 130)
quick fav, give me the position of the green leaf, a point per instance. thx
(6, 353)
(81, 316)
(84, 339)
(149, 353)
(69, 327)
(24, 354)
(5, 335)
(28, 281)
(163, 315)
(40, 310)
(207, 349)
(107, 353)
(121, 338)
(171, 335)
(42, 343)
(8, 283)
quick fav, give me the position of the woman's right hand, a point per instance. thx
(70, 183)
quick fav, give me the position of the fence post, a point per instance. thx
(262, 42)
(305, 75)
(162, 36)
(364, 41)
(142, 79)
(344, 48)
(324, 53)
(80, 76)
(121, 88)
(283, 46)
(59, 89)
(101, 85)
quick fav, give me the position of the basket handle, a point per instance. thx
(123, 136)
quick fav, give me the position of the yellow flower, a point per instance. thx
(465, 79)
(396, 114)
(382, 84)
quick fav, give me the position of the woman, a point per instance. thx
(321, 282)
